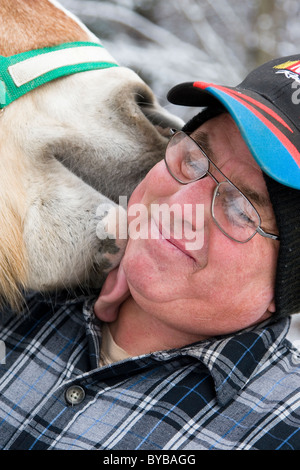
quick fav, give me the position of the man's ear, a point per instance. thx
(113, 293)
(272, 307)
(269, 312)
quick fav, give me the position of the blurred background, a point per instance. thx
(171, 41)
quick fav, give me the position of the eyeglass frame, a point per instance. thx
(258, 230)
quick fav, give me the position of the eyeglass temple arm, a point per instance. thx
(267, 235)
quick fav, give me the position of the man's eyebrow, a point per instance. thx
(253, 196)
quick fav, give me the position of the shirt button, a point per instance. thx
(74, 395)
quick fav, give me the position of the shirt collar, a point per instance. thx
(232, 360)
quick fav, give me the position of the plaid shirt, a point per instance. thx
(234, 392)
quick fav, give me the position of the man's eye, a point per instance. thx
(238, 211)
(193, 168)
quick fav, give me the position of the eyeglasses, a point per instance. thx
(231, 210)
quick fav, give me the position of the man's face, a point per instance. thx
(222, 286)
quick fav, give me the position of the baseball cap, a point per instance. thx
(266, 109)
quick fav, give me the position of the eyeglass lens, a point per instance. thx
(233, 213)
(184, 159)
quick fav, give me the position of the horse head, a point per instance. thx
(67, 147)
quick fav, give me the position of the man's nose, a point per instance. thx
(198, 192)
(195, 199)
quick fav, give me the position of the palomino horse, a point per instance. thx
(68, 146)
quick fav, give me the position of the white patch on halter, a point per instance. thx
(29, 69)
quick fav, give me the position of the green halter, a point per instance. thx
(21, 73)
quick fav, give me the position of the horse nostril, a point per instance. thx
(155, 113)
(144, 97)
(146, 102)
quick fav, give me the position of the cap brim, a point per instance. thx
(271, 138)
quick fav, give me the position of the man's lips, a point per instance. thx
(180, 247)
(179, 243)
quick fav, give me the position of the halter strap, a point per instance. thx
(24, 72)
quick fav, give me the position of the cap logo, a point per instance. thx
(291, 69)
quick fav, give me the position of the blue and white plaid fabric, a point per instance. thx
(234, 392)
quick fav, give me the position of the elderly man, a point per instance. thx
(185, 348)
